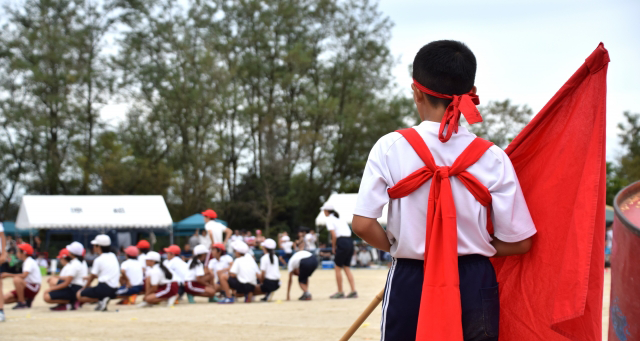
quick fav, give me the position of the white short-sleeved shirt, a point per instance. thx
(76, 270)
(246, 269)
(340, 226)
(107, 268)
(157, 276)
(216, 230)
(133, 269)
(195, 272)
(392, 159)
(294, 262)
(178, 267)
(219, 264)
(287, 247)
(272, 270)
(310, 241)
(29, 265)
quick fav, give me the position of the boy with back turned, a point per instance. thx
(454, 201)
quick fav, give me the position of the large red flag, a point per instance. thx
(554, 292)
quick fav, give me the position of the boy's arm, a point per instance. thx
(125, 279)
(89, 280)
(504, 249)
(227, 235)
(370, 231)
(333, 241)
(66, 281)
(289, 286)
(3, 250)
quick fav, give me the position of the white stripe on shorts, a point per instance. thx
(165, 291)
(32, 286)
(194, 289)
(385, 302)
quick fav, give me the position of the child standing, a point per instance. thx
(197, 281)
(27, 283)
(302, 264)
(107, 270)
(161, 285)
(131, 278)
(441, 285)
(342, 247)
(287, 247)
(243, 276)
(270, 277)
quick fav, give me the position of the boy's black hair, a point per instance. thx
(447, 67)
(105, 249)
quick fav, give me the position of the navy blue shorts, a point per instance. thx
(134, 290)
(67, 294)
(307, 267)
(344, 252)
(100, 291)
(478, 295)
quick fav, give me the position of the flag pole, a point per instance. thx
(372, 306)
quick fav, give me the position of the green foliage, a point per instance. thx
(501, 122)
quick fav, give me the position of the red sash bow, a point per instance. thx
(465, 104)
(440, 317)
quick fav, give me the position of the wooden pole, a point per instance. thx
(372, 306)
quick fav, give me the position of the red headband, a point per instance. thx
(465, 103)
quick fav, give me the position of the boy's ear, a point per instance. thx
(418, 96)
(474, 90)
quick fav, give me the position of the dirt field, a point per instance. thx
(321, 319)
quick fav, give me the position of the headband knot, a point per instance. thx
(465, 104)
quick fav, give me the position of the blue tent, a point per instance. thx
(189, 225)
(11, 230)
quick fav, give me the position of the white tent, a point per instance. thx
(345, 204)
(93, 211)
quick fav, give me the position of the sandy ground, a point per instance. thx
(321, 319)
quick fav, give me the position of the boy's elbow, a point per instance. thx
(359, 224)
(525, 245)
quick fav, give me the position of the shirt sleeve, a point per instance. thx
(510, 215)
(95, 269)
(234, 268)
(263, 263)
(154, 276)
(373, 195)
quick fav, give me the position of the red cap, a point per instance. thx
(210, 214)
(63, 253)
(143, 244)
(175, 249)
(131, 251)
(26, 248)
(219, 246)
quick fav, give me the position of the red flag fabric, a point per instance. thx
(441, 286)
(554, 292)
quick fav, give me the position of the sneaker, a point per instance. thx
(305, 297)
(124, 301)
(353, 294)
(266, 297)
(59, 307)
(77, 305)
(102, 304)
(172, 300)
(191, 299)
(29, 302)
(133, 298)
(337, 295)
(144, 304)
(20, 305)
(213, 299)
(226, 300)
(2, 318)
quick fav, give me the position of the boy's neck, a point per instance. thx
(432, 114)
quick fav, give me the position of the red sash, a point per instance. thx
(440, 310)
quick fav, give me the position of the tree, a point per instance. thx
(630, 140)
(501, 122)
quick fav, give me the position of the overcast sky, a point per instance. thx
(525, 52)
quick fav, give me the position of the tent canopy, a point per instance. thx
(345, 204)
(10, 230)
(93, 211)
(187, 226)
